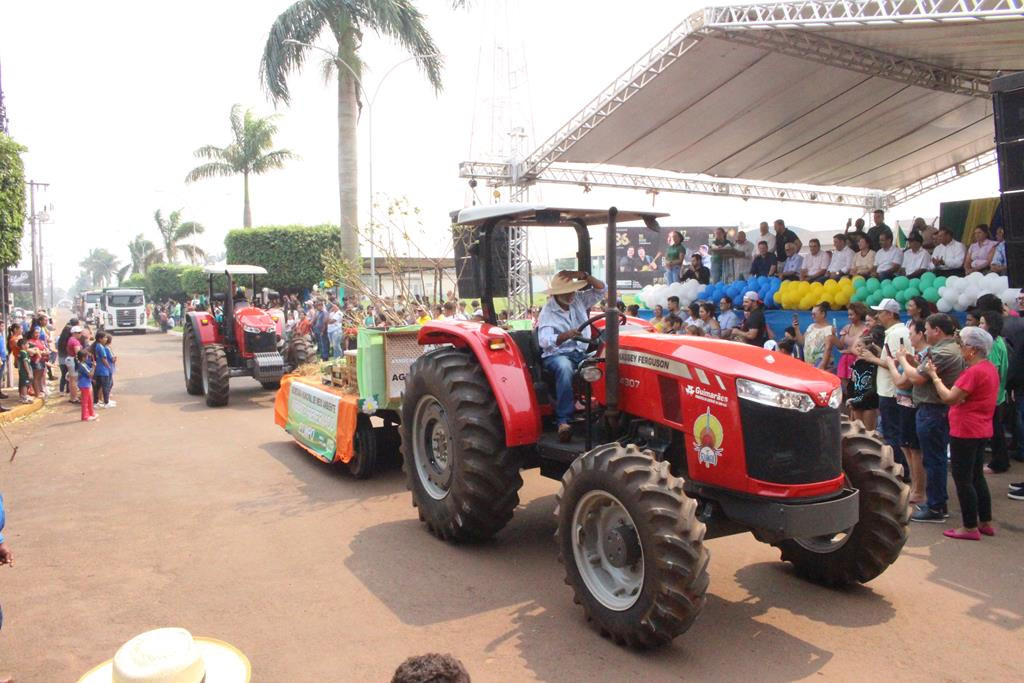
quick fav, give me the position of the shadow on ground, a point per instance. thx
(518, 572)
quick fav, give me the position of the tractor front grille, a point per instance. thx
(261, 342)
(789, 447)
(267, 366)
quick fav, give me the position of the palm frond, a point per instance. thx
(402, 22)
(188, 229)
(192, 252)
(273, 159)
(303, 21)
(123, 273)
(211, 152)
(238, 121)
(213, 169)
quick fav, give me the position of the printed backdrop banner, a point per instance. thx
(640, 253)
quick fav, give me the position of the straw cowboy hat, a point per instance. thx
(172, 655)
(564, 285)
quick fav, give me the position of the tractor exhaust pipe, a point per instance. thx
(611, 328)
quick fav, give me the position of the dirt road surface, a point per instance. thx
(165, 512)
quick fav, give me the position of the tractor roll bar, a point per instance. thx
(611, 326)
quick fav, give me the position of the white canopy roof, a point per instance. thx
(475, 215)
(878, 94)
(234, 269)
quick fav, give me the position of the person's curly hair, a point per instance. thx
(431, 668)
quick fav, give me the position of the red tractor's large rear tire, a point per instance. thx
(464, 479)
(216, 375)
(865, 551)
(192, 360)
(632, 546)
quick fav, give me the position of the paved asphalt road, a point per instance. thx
(165, 512)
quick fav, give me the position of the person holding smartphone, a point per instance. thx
(887, 313)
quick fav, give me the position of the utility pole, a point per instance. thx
(52, 302)
(37, 245)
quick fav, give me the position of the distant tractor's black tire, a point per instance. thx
(216, 375)
(192, 360)
(464, 479)
(298, 353)
(273, 385)
(632, 546)
(364, 449)
(876, 540)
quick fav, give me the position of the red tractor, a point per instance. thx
(237, 338)
(679, 439)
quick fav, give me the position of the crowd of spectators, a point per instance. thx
(872, 252)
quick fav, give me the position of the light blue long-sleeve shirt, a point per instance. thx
(554, 320)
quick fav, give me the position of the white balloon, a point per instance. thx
(944, 306)
(955, 282)
(975, 277)
(965, 300)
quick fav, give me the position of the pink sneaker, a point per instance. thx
(964, 536)
(987, 530)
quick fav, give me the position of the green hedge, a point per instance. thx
(136, 281)
(292, 254)
(12, 200)
(163, 281)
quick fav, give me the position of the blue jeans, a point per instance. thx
(105, 383)
(324, 342)
(933, 433)
(563, 366)
(336, 340)
(672, 275)
(719, 270)
(892, 429)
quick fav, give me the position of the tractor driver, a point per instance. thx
(565, 311)
(239, 298)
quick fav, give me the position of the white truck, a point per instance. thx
(122, 309)
(91, 307)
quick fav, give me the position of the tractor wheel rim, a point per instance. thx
(433, 450)
(599, 514)
(828, 543)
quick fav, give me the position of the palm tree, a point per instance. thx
(286, 50)
(247, 155)
(173, 231)
(143, 254)
(100, 265)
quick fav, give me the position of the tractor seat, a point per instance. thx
(527, 342)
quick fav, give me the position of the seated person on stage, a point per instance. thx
(765, 262)
(566, 309)
(889, 257)
(815, 263)
(697, 271)
(916, 260)
(948, 256)
(842, 258)
(794, 262)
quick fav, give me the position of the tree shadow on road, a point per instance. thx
(426, 583)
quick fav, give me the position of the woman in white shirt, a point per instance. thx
(979, 255)
(864, 259)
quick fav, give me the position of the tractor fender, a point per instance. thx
(504, 367)
(204, 327)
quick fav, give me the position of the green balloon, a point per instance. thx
(931, 295)
(928, 278)
(888, 290)
(901, 296)
(939, 282)
(911, 292)
(859, 295)
(873, 284)
(858, 285)
(916, 284)
(901, 282)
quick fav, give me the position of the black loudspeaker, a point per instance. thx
(466, 243)
(1008, 113)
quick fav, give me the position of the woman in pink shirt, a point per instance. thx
(74, 346)
(973, 401)
(979, 255)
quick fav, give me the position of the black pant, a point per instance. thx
(1000, 456)
(966, 461)
(63, 376)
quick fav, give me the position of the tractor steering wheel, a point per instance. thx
(594, 341)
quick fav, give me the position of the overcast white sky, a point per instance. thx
(112, 98)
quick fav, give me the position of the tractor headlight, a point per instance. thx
(590, 373)
(836, 399)
(250, 329)
(773, 396)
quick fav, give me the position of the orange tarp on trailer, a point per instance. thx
(347, 411)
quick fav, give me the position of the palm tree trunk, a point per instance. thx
(348, 181)
(246, 213)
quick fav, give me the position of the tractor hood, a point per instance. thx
(729, 359)
(256, 318)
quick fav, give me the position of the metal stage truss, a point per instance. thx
(921, 64)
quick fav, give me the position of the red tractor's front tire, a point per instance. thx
(216, 375)
(464, 479)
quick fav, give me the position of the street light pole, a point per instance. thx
(369, 126)
(37, 244)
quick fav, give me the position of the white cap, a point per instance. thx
(76, 329)
(890, 305)
(751, 296)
